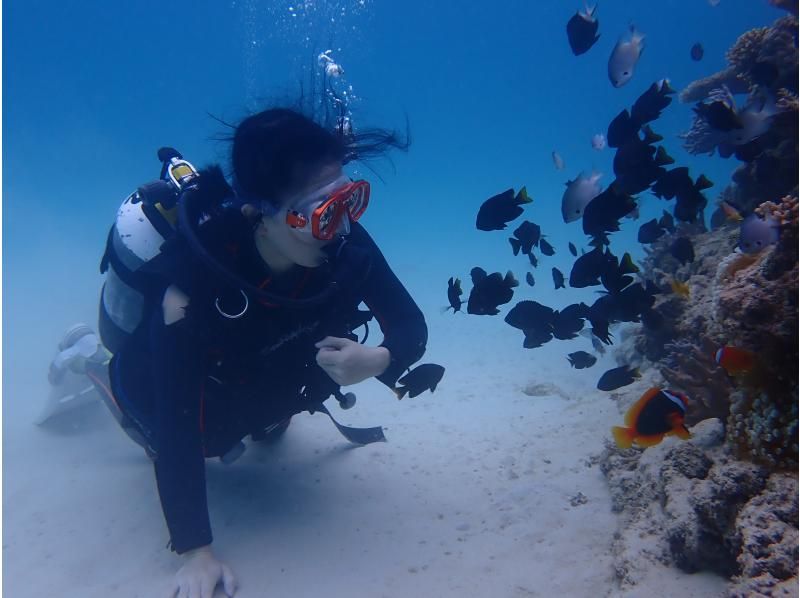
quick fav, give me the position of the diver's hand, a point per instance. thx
(200, 575)
(348, 362)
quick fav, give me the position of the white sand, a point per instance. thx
(470, 496)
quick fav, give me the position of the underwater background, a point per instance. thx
(490, 90)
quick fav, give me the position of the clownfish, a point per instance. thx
(734, 360)
(656, 414)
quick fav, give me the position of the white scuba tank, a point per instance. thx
(135, 240)
(144, 221)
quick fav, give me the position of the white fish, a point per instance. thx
(579, 193)
(756, 233)
(624, 57)
(598, 141)
(756, 121)
(558, 161)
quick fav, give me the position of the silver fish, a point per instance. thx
(598, 141)
(624, 57)
(579, 193)
(756, 117)
(597, 344)
(558, 161)
(756, 233)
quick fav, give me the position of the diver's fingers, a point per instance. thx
(333, 342)
(328, 357)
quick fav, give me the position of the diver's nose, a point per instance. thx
(344, 226)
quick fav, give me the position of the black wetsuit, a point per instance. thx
(196, 387)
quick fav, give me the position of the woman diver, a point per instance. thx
(250, 316)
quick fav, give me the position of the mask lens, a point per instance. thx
(328, 218)
(356, 203)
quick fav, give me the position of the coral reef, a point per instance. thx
(755, 307)
(693, 505)
(748, 301)
(726, 500)
(790, 5)
(772, 172)
(683, 347)
(775, 45)
(764, 63)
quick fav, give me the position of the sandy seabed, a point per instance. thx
(481, 490)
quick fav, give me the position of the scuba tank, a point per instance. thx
(144, 221)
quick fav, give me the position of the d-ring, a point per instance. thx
(233, 316)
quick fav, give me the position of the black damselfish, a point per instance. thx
(526, 236)
(421, 378)
(650, 232)
(682, 250)
(500, 209)
(651, 103)
(617, 378)
(603, 213)
(546, 248)
(582, 31)
(454, 293)
(489, 291)
(558, 278)
(581, 360)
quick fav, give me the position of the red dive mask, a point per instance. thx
(330, 209)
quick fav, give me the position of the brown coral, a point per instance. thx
(691, 504)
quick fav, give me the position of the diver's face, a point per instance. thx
(283, 246)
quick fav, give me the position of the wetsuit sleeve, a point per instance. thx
(178, 357)
(405, 333)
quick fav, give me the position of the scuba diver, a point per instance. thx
(70, 385)
(233, 308)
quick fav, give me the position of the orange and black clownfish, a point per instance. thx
(656, 414)
(735, 361)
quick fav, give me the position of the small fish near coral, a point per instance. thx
(617, 378)
(735, 361)
(681, 289)
(421, 378)
(658, 413)
(757, 233)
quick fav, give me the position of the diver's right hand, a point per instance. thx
(200, 574)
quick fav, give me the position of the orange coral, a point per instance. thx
(785, 212)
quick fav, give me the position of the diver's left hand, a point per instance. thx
(348, 362)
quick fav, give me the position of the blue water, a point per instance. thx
(92, 89)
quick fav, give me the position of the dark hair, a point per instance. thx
(274, 150)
